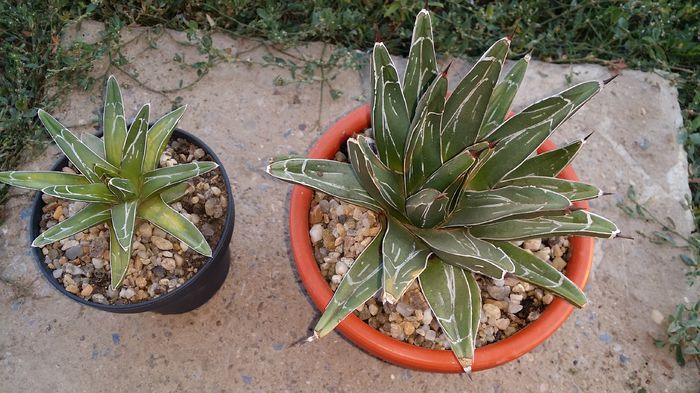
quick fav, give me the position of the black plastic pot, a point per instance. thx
(193, 293)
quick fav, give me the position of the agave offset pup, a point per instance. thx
(453, 184)
(119, 179)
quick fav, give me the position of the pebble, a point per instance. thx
(492, 312)
(213, 208)
(514, 308)
(72, 288)
(168, 264)
(502, 323)
(559, 263)
(657, 317)
(57, 273)
(373, 309)
(404, 309)
(498, 293)
(161, 243)
(145, 230)
(341, 268)
(316, 233)
(532, 244)
(74, 252)
(127, 293)
(408, 328)
(198, 153)
(99, 298)
(98, 263)
(58, 213)
(87, 290)
(69, 244)
(547, 298)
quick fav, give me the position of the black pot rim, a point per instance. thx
(151, 304)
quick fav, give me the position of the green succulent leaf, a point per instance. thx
(458, 247)
(578, 223)
(550, 163)
(41, 179)
(164, 217)
(135, 147)
(174, 193)
(573, 190)
(423, 155)
(118, 259)
(124, 189)
(421, 67)
(94, 143)
(404, 258)
(90, 216)
(123, 220)
(466, 107)
(77, 152)
(427, 207)
(390, 119)
(114, 123)
(538, 272)
(450, 170)
(331, 177)
(381, 182)
(503, 96)
(454, 297)
(508, 154)
(95, 192)
(479, 207)
(360, 283)
(160, 178)
(158, 137)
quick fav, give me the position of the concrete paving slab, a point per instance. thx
(239, 340)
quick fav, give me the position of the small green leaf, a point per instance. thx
(135, 147)
(39, 180)
(123, 220)
(124, 189)
(547, 164)
(404, 258)
(167, 219)
(455, 299)
(381, 183)
(503, 96)
(573, 190)
(427, 207)
(163, 177)
(118, 259)
(421, 67)
(96, 192)
(174, 193)
(114, 123)
(158, 137)
(579, 223)
(90, 216)
(450, 171)
(93, 143)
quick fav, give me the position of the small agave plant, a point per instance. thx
(119, 178)
(454, 183)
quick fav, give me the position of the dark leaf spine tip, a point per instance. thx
(426, 6)
(446, 70)
(607, 193)
(585, 138)
(606, 81)
(621, 236)
(377, 34)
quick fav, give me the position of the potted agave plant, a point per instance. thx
(114, 211)
(455, 186)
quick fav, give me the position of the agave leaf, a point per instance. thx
(77, 152)
(163, 177)
(404, 258)
(450, 170)
(427, 207)
(550, 163)
(423, 147)
(508, 154)
(478, 207)
(580, 223)
(95, 192)
(123, 220)
(90, 216)
(104, 173)
(158, 137)
(39, 180)
(122, 188)
(390, 119)
(465, 109)
(114, 123)
(174, 193)
(457, 247)
(556, 108)
(379, 181)
(331, 177)
(164, 217)
(118, 259)
(454, 297)
(421, 67)
(93, 143)
(538, 272)
(573, 190)
(135, 147)
(503, 96)
(359, 284)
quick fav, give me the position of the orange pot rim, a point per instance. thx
(401, 353)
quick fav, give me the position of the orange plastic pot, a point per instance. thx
(401, 353)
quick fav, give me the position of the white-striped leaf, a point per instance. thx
(450, 170)
(427, 207)
(331, 177)
(158, 137)
(39, 180)
(77, 152)
(174, 193)
(421, 67)
(163, 177)
(423, 155)
(573, 190)
(550, 163)
(532, 269)
(114, 123)
(95, 192)
(361, 282)
(507, 155)
(164, 217)
(478, 207)
(457, 247)
(135, 147)
(125, 189)
(455, 299)
(404, 258)
(379, 181)
(123, 220)
(465, 109)
(90, 216)
(118, 259)
(579, 223)
(503, 95)
(390, 119)
(94, 143)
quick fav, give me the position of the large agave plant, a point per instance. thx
(454, 184)
(119, 178)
